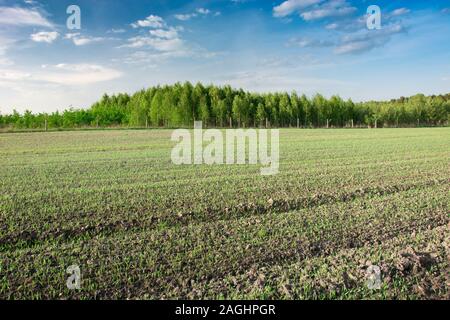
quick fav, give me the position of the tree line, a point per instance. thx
(179, 105)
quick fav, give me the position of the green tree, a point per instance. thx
(156, 108)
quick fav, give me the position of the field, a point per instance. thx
(141, 228)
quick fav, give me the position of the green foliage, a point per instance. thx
(181, 104)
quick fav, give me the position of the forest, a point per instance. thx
(181, 104)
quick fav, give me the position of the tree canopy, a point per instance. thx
(179, 105)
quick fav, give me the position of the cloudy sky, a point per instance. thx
(308, 46)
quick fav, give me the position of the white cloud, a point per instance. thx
(400, 12)
(333, 8)
(161, 45)
(80, 74)
(55, 87)
(314, 9)
(203, 11)
(350, 24)
(171, 33)
(309, 43)
(71, 35)
(164, 39)
(331, 26)
(198, 12)
(117, 31)
(31, 2)
(5, 43)
(5, 61)
(151, 59)
(81, 40)
(22, 17)
(156, 43)
(278, 80)
(356, 39)
(185, 17)
(61, 74)
(367, 40)
(151, 21)
(13, 75)
(289, 7)
(43, 36)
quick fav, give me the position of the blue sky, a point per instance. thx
(310, 46)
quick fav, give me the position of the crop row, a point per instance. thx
(170, 261)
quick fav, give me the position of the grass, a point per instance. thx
(142, 228)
